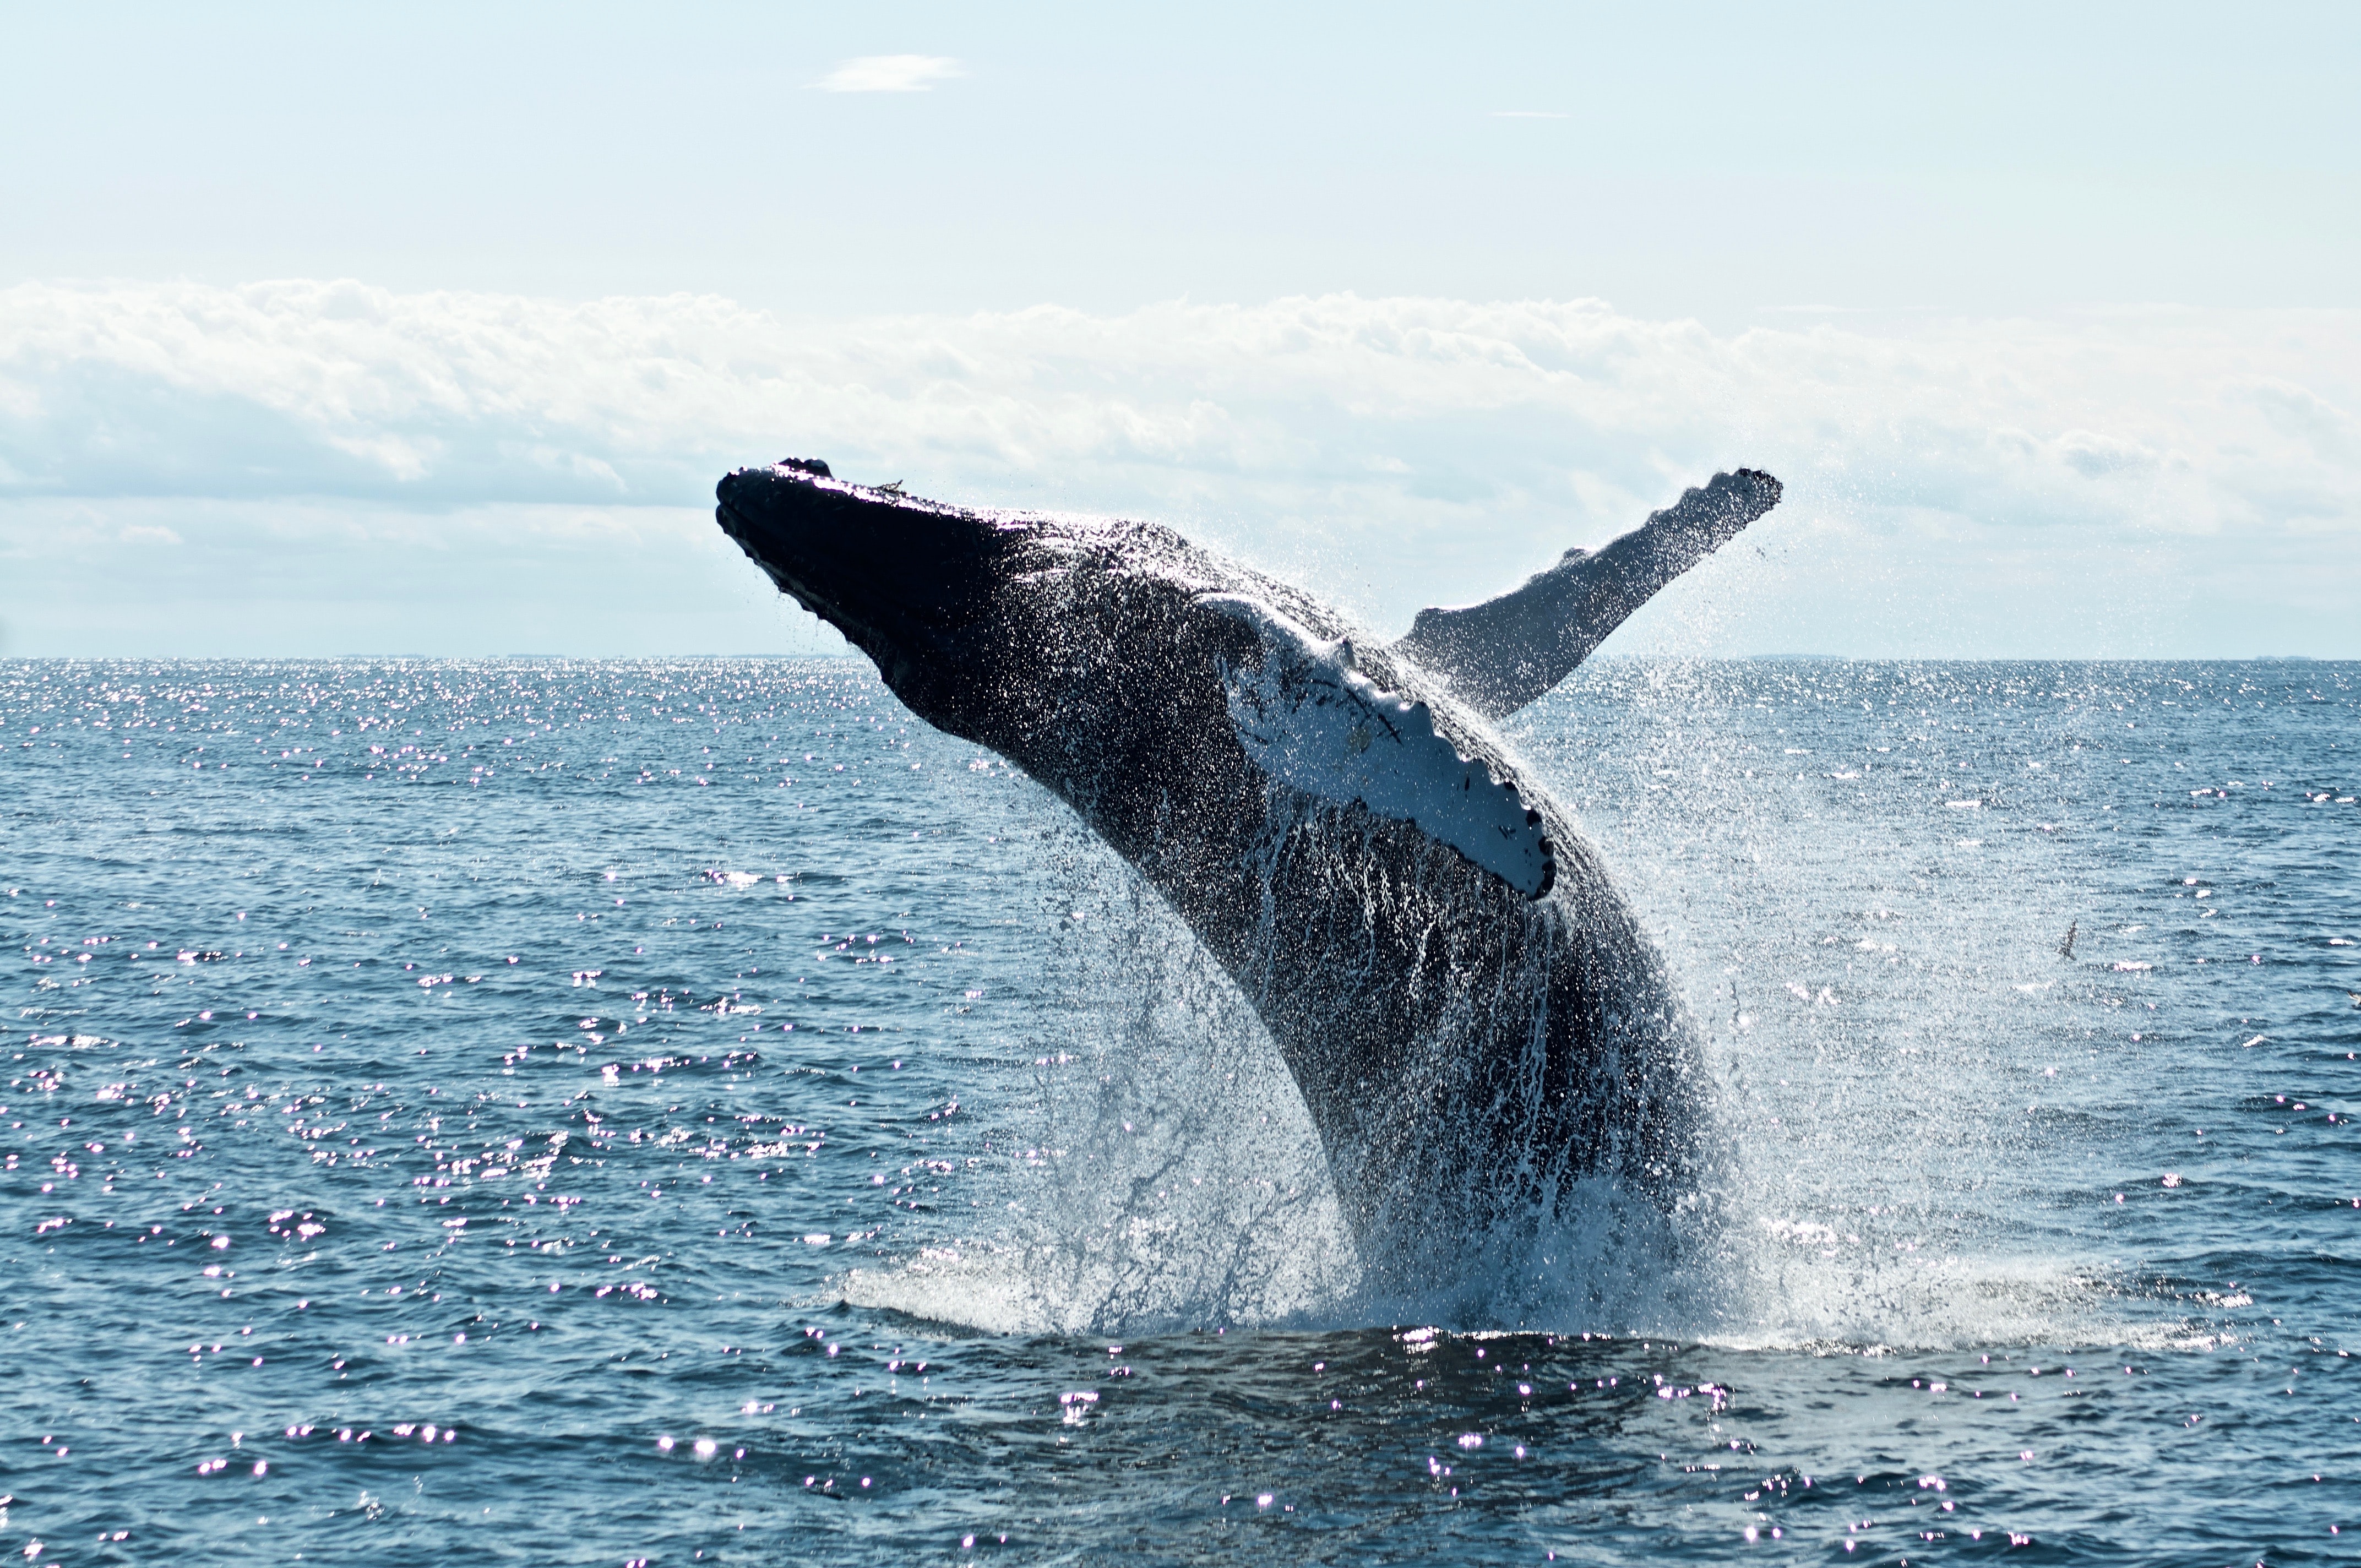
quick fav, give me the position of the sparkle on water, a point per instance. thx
(692, 1113)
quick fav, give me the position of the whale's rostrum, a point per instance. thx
(1476, 1023)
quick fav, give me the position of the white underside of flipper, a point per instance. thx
(1312, 721)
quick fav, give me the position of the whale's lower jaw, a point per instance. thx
(894, 575)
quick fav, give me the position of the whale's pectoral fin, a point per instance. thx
(1502, 653)
(1316, 724)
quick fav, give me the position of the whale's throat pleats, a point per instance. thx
(1312, 721)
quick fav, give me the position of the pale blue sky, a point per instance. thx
(1902, 206)
(1714, 160)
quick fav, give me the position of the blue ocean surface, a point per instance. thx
(684, 1113)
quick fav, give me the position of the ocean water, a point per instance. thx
(671, 1113)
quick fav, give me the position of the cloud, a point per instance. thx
(890, 73)
(2109, 480)
(1527, 115)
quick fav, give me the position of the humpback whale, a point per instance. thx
(1478, 1024)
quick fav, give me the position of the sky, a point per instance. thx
(427, 330)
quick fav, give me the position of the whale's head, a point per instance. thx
(940, 596)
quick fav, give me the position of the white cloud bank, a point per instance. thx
(2121, 481)
(891, 73)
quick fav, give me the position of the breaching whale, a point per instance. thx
(1476, 1023)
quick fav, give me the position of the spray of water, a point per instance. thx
(1873, 1025)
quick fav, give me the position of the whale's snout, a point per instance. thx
(899, 577)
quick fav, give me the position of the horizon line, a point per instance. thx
(850, 654)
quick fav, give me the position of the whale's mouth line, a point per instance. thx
(891, 572)
(743, 527)
(773, 551)
(740, 527)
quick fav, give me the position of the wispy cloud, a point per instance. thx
(1527, 115)
(891, 73)
(1951, 483)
